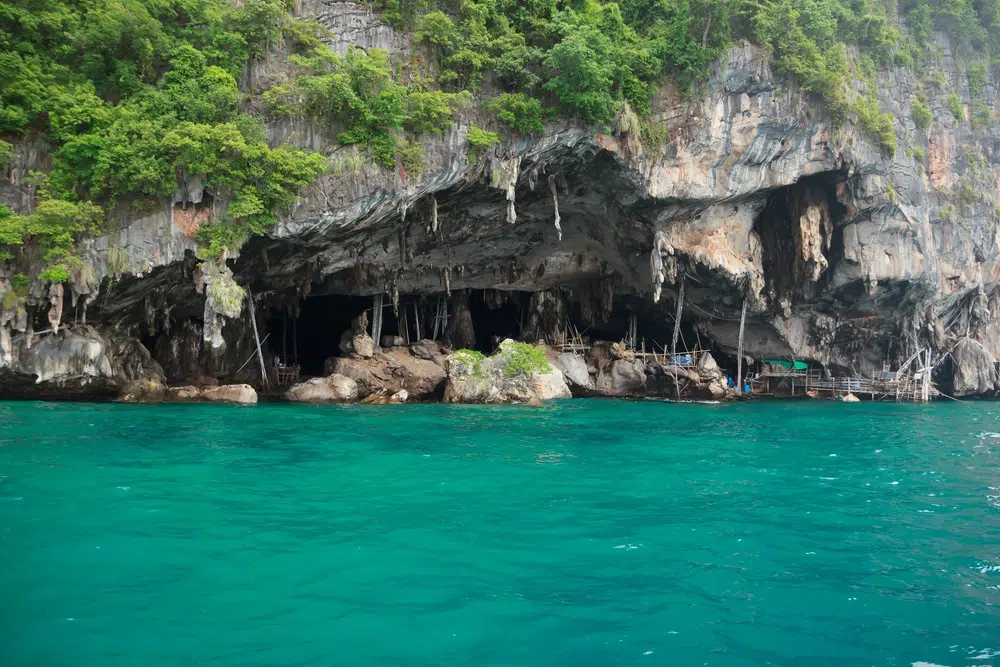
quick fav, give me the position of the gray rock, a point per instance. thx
(574, 368)
(330, 389)
(626, 378)
(426, 349)
(241, 394)
(183, 393)
(363, 346)
(975, 370)
(147, 390)
(472, 379)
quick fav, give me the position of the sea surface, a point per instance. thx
(582, 533)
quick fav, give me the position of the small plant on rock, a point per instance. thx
(524, 358)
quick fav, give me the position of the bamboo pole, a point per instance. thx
(284, 336)
(677, 331)
(377, 319)
(739, 352)
(256, 337)
(416, 318)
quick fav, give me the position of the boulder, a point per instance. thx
(473, 378)
(547, 386)
(362, 346)
(850, 398)
(975, 373)
(242, 394)
(717, 389)
(356, 341)
(183, 393)
(330, 389)
(389, 371)
(401, 396)
(625, 378)
(574, 369)
(146, 390)
(426, 349)
(393, 341)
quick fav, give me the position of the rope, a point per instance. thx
(714, 317)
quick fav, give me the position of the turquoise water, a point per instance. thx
(583, 533)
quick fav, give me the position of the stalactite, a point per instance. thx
(657, 267)
(395, 299)
(56, 293)
(434, 214)
(555, 205)
(447, 281)
(511, 213)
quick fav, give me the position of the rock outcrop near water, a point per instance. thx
(847, 256)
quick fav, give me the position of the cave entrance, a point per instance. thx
(496, 315)
(652, 324)
(800, 234)
(315, 335)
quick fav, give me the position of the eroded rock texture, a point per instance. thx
(847, 257)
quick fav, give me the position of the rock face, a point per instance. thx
(574, 369)
(147, 390)
(847, 255)
(974, 370)
(390, 371)
(81, 361)
(331, 389)
(473, 378)
(242, 394)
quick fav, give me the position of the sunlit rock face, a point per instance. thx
(846, 256)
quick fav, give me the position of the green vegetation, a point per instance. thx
(481, 138)
(9, 301)
(955, 107)
(921, 114)
(135, 95)
(976, 76)
(358, 95)
(473, 360)
(223, 290)
(6, 154)
(132, 94)
(522, 114)
(916, 153)
(523, 358)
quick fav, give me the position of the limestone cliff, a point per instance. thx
(848, 257)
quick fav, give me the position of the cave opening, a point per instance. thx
(496, 315)
(801, 239)
(315, 336)
(653, 324)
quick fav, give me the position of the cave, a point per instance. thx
(316, 334)
(496, 315)
(799, 234)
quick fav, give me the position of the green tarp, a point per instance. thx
(798, 365)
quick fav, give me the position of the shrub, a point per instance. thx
(116, 261)
(524, 358)
(877, 124)
(480, 138)
(220, 238)
(921, 113)
(223, 290)
(411, 157)
(955, 107)
(472, 360)
(521, 113)
(975, 74)
(9, 300)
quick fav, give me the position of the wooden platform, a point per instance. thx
(287, 375)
